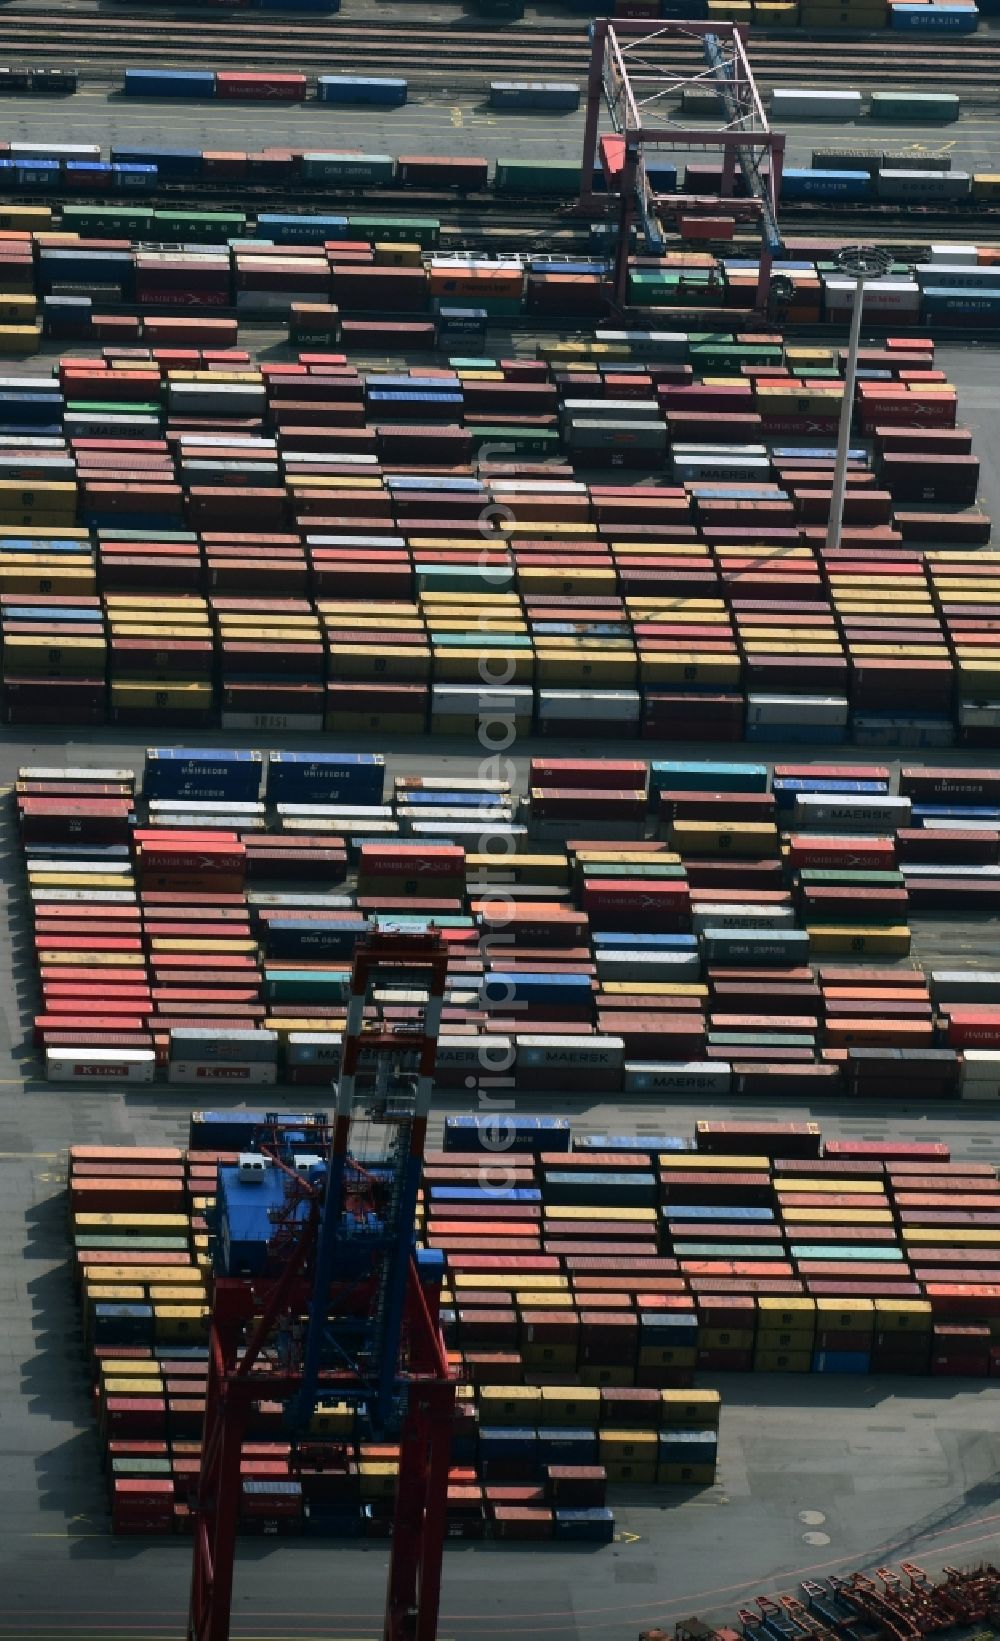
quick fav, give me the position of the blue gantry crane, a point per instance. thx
(320, 1295)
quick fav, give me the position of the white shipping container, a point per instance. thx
(277, 900)
(93, 897)
(334, 811)
(883, 296)
(606, 706)
(308, 1048)
(628, 409)
(980, 1074)
(199, 809)
(678, 1077)
(797, 709)
(583, 1053)
(979, 714)
(740, 917)
(467, 835)
(934, 824)
(798, 103)
(95, 1065)
(965, 986)
(443, 783)
(222, 1071)
(342, 828)
(654, 966)
(485, 1053)
(509, 700)
(966, 256)
(820, 809)
(930, 869)
(76, 772)
(668, 346)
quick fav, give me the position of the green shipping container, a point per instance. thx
(537, 177)
(422, 231)
(913, 107)
(200, 227)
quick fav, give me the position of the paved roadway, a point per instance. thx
(433, 121)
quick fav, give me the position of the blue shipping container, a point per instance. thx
(352, 88)
(224, 773)
(169, 82)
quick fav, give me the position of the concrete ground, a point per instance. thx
(432, 122)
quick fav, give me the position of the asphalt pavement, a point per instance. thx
(434, 122)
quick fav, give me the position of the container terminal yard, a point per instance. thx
(500, 820)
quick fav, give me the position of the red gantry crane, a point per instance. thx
(320, 1293)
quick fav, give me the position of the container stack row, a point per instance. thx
(532, 1458)
(337, 548)
(661, 930)
(751, 1248)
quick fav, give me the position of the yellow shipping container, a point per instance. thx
(688, 666)
(550, 1357)
(699, 1408)
(792, 1184)
(380, 662)
(635, 1446)
(149, 1385)
(845, 1315)
(17, 341)
(657, 988)
(668, 1356)
(189, 1275)
(578, 1405)
(644, 1216)
(714, 1161)
(837, 1216)
(335, 1420)
(140, 1224)
(903, 1315)
(610, 669)
(890, 941)
(174, 1324)
(938, 1234)
(785, 1313)
(726, 1338)
(492, 1279)
(151, 696)
(746, 840)
(465, 665)
(793, 1339)
(377, 1480)
(782, 1361)
(509, 1404)
(620, 1377)
(123, 1368)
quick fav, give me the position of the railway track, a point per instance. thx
(461, 56)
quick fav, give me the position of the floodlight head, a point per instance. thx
(864, 261)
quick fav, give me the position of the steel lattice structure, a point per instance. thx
(341, 1280)
(634, 92)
